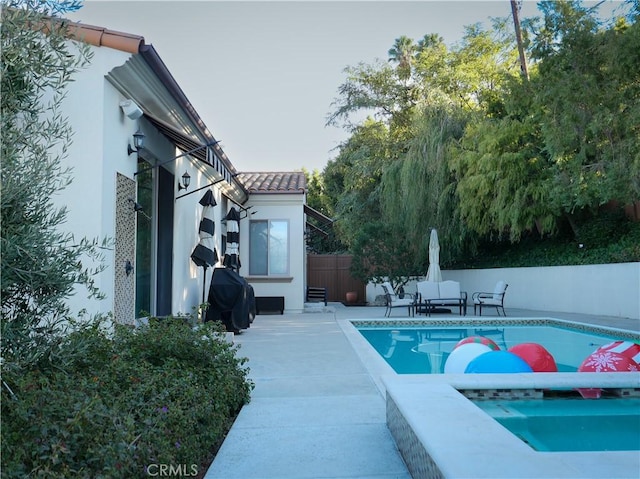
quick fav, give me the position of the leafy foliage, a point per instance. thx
(484, 155)
(378, 259)
(561, 250)
(318, 199)
(40, 263)
(109, 406)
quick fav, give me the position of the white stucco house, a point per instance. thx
(135, 196)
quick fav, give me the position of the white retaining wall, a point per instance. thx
(603, 289)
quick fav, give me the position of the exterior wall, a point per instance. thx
(272, 207)
(606, 289)
(98, 151)
(189, 279)
(98, 154)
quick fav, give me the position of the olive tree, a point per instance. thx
(41, 264)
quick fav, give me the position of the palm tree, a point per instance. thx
(403, 53)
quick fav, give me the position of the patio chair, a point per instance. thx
(495, 299)
(395, 301)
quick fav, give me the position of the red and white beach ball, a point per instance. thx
(479, 339)
(604, 361)
(626, 348)
(536, 356)
(461, 356)
(498, 362)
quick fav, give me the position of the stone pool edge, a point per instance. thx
(441, 433)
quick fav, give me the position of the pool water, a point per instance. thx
(570, 424)
(424, 350)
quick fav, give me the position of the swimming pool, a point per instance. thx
(425, 349)
(565, 423)
(435, 422)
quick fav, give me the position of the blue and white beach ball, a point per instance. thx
(498, 362)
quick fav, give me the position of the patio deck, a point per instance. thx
(316, 412)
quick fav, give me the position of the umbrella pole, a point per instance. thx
(204, 282)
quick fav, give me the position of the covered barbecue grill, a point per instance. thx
(231, 300)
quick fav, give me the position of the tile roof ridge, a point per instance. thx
(103, 37)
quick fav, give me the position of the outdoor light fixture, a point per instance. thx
(186, 181)
(138, 143)
(205, 186)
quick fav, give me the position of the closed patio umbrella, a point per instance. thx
(204, 254)
(434, 273)
(232, 253)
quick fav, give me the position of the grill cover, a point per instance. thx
(231, 300)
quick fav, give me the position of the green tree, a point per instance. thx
(563, 145)
(418, 193)
(318, 199)
(40, 263)
(503, 173)
(352, 179)
(382, 252)
(589, 98)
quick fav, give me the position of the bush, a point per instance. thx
(111, 405)
(623, 247)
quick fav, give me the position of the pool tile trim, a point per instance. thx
(412, 323)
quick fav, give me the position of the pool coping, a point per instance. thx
(434, 424)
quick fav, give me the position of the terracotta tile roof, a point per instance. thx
(274, 182)
(103, 37)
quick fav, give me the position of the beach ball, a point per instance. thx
(478, 339)
(604, 361)
(536, 356)
(498, 362)
(461, 356)
(626, 348)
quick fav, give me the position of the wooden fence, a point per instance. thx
(332, 272)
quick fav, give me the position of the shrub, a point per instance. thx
(111, 405)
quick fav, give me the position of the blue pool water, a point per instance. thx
(570, 424)
(424, 350)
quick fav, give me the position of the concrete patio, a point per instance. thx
(316, 411)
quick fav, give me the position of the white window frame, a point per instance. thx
(269, 248)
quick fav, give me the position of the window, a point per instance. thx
(268, 247)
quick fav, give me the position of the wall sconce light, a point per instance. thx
(186, 181)
(128, 268)
(138, 143)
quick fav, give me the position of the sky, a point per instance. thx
(262, 75)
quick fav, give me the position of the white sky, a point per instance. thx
(262, 75)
